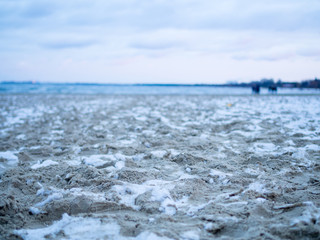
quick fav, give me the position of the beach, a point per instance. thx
(159, 167)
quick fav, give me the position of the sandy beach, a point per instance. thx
(159, 167)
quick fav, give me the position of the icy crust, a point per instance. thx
(8, 159)
(74, 228)
(45, 163)
(151, 167)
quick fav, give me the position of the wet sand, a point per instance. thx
(159, 167)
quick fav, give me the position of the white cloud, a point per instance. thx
(159, 40)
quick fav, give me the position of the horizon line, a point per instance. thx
(149, 84)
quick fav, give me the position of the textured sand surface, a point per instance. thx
(159, 167)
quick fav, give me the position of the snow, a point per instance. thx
(148, 236)
(159, 153)
(257, 187)
(21, 137)
(260, 200)
(119, 165)
(97, 160)
(251, 171)
(126, 142)
(11, 158)
(138, 157)
(261, 148)
(222, 176)
(190, 235)
(311, 215)
(75, 228)
(45, 163)
(313, 147)
(174, 152)
(50, 198)
(34, 210)
(112, 162)
(159, 192)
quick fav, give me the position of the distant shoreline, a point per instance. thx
(239, 85)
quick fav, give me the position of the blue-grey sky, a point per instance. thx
(159, 41)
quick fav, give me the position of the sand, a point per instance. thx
(159, 167)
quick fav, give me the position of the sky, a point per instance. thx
(159, 41)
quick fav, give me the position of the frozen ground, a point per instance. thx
(159, 167)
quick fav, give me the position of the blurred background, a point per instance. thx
(159, 41)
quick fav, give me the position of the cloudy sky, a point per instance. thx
(159, 41)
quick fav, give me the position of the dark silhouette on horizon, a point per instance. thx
(272, 89)
(256, 89)
(272, 85)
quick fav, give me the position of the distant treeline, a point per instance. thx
(315, 83)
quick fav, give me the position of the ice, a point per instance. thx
(159, 191)
(310, 216)
(237, 203)
(174, 152)
(138, 157)
(83, 228)
(148, 236)
(20, 116)
(141, 118)
(35, 147)
(254, 172)
(264, 148)
(260, 200)
(76, 150)
(73, 162)
(192, 209)
(53, 194)
(98, 128)
(190, 235)
(11, 158)
(313, 147)
(222, 176)
(129, 193)
(50, 198)
(119, 165)
(126, 142)
(45, 163)
(98, 160)
(21, 137)
(257, 187)
(299, 153)
(159, 153)
(167, 121)
(94, 160)
(74, 228)
(57, 132)
(34, 210)
(41, 190)
(208, 226)
(149, 132)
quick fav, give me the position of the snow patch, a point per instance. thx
(257, 187)
(11, 158)
(45, 163)
(159, 153)
(190, 235)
